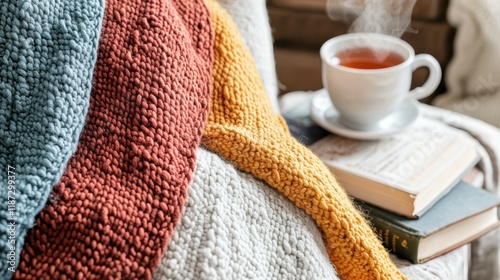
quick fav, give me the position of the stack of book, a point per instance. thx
(419, 188)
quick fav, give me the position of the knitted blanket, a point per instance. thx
(243, 129)
(252, 21)
(122, 192)
(472, 77)
(237, 227)
(48, 51)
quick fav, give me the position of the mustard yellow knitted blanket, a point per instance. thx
(243, 128)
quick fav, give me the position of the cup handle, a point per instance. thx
(426, 60)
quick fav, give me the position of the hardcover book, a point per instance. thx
(461, 216)
(405, 173)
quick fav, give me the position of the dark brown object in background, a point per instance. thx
(423, 9)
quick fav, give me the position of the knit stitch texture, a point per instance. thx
(48, 50)
(243, 129)
(123, 191)
(235, 226)
(252, 21)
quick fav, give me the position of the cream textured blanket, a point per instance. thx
(237, 227)
(473, 76)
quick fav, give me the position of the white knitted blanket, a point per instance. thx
(236, 227)
(473, 75)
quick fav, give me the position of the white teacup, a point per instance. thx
(363, 97)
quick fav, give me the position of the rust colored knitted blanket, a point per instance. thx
(112, 213)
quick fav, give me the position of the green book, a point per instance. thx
(461, 216)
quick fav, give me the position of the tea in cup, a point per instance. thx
(368, 76)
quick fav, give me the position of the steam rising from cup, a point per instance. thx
(391, 17)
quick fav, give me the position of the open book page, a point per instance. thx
(407, 161)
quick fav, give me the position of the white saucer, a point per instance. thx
(325, 115)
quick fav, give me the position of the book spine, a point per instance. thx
(396, 240)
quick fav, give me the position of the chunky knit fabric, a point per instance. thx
(243, 128)
(123, 191)
(252, 21)
(235, 226)
(48, 50)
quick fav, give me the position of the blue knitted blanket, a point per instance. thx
(48, 49)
